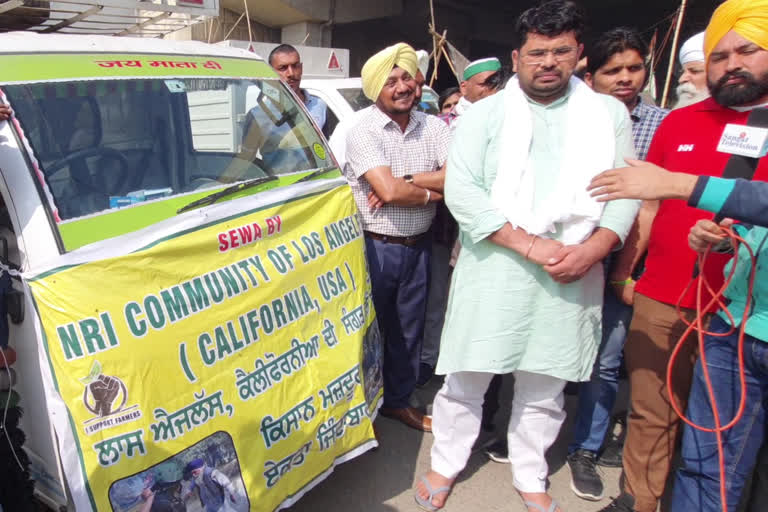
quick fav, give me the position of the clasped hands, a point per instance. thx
(564, 263)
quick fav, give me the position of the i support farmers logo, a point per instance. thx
(105, 397)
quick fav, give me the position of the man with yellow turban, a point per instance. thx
(695, 140)
(396, 168)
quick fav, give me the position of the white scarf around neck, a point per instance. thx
(589, 149)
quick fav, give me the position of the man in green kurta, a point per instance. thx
(527, 291)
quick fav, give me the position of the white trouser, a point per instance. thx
(537, 415)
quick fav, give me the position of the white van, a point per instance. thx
(191, 269)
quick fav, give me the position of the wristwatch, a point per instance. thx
(408, 178)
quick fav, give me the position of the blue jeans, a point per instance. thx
(597, 397)
(697, 484)
(399, 284)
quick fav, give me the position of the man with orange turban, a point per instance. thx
(396, 168)
(736, 48)
(695, 140)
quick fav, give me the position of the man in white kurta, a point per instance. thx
(526, 294)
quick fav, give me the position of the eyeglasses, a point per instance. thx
(560, 54)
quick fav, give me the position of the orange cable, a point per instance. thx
(698, 325)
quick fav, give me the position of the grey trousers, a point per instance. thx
(437, 301)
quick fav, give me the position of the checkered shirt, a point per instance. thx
(377, 141)
(645, 119)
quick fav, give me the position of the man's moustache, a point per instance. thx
(687, 89)
(748, 77)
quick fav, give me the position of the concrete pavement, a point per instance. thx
(383, 480)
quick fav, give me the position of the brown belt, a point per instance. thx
(408, 241)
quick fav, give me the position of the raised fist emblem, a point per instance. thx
(107, 395)
(104, 390)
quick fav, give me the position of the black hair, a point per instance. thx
(282, 48)
(551, 19)
(612, 42)
(445, 95)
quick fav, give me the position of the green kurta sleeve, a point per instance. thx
(619, 215)
(466, 187)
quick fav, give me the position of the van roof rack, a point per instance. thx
(135, 18)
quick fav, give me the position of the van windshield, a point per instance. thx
(105, 145)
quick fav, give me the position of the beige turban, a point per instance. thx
(377, 69)
(749, 18)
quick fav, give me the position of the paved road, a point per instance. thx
(382, 480)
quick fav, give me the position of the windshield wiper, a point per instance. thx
(315, 174)
(212, 198)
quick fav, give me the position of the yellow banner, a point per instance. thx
(228, 366)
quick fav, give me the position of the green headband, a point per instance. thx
(479, 66)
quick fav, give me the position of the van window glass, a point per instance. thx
(331, 121)
(356, 98)
(104, 145)
(358, 101)
(429, 101)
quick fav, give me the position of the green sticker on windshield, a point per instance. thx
(319, 150)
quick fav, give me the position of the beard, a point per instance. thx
(687, 94)
(740, 94)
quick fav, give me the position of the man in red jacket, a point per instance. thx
(687, 141)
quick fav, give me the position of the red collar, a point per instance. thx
(708, 105)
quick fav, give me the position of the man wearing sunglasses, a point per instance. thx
(481, 78)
